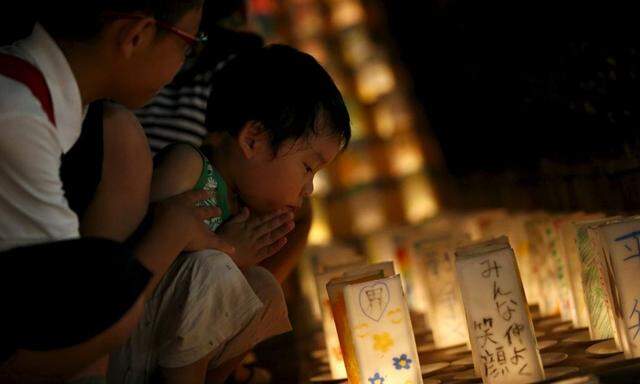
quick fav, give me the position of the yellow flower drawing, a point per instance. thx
(395, 315)
(382, 342)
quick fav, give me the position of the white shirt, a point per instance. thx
(33, 208)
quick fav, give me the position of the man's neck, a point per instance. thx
(88, 72)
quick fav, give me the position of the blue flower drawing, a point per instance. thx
(376, 379)
(402, 362)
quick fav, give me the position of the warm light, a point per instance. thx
(335, 289)
(381, 334)
(374, 80)
(356, 47)
(600, 322)
(391, 117)
(309, 21)
(501, 333)
(405, 155)
(367, 212)
(418, 198)
(320, 232)
(356, 166)
(315, 48)
(332, 342)
(620, 263)
(347, 13)
(435, 265)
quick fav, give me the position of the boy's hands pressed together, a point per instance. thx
(256, 238)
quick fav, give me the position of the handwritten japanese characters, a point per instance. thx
(621, 272)
(501, 333)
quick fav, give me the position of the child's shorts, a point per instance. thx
(203, 305)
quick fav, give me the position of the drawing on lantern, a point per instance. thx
(402, 362)
(361, 330)
(374, 300)
(395, 315)
(382, 342)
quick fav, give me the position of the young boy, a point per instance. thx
(86, 289)
(275, 119)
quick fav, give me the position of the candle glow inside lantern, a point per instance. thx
(501, 333)
(382, 336)
(336, 298)
(332, 342)
(569, 235)
(372, 318)
(435, 264)
(620, 265)
(589, 248)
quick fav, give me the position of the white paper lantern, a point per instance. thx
(501, 333)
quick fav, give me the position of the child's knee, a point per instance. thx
(269, 291)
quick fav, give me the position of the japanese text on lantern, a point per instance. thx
(621, 268)
(500, 329)
(500, 353)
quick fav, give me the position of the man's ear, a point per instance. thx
(253, 139)
(133, 34)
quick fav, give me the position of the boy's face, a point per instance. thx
(151, 59)
(266, 182)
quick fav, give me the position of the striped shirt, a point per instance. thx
(177, 113)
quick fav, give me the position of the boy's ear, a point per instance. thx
(252, 138)
(132, 35)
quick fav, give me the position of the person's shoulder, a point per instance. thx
(185, 154)
(124, 140)
(177, 169)
(17, 101)
(122, 125)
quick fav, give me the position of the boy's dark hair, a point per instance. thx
(80, 20)
(285, 90)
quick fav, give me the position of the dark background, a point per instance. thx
(528, 93)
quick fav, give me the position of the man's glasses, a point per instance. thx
(195, 43)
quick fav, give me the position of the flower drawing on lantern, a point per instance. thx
(402, 362)
(395, 315)
(382, 342)
(376, 379)
(361, 330)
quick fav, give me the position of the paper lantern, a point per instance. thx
(332, 342)
(394, 245)
(560, 262)
(378, 316)
(435, 264)
(316, 260)
(587, 242)
(335, 289)
(386, 267)
(620, 265)
(380, 333)
(569, 235)
(545, 289)
(501, 333)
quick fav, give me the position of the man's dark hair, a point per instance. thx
(84, 19)
(285, 90)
